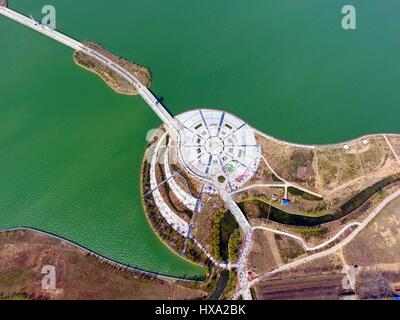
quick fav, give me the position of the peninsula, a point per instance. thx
(110, 77)
(215, 189)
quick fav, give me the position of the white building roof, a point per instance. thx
(217, 144)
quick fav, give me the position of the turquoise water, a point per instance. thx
(71, 149)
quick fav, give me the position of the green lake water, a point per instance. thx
(71, 149)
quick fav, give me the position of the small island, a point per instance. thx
(111, 78)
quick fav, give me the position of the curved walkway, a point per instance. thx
(303, 242)
(290, 184)
(185, 198)
(327, 252)
(176, 222)
(245, 225)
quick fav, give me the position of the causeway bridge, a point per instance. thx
(175, 127)
(142, 90)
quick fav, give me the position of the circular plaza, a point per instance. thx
(218, 147)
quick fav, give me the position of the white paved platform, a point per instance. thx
(217, 146)
(185, 198)
(176, 222)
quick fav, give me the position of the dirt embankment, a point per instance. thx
(79, 275)
(379, 242)
(323, 278)
(113, 80)
(336, 172)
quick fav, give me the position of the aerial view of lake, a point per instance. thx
(71, 149)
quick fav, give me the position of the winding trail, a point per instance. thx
(290, 184)
(185, 198)
(261, 185)
(303, 242)
(176, 222)
(174, 129)
(325, 253)
(172, 124)
(248, 234)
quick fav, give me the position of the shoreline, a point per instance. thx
(299, 144)
(257, 131)
(100, 256)
(324, 145)
(114, 81)
(97, 74)
(312, 148)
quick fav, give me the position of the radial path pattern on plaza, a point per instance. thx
(218, 147)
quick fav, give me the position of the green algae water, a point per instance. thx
(71, 149)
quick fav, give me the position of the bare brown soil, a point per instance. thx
(327, 265)
(264, 255)
(289, 249)
(379, 242)
(342, 173)
(316, 235)
(292, 163)
(318, 279)
(204, 224)
(112, 79)
(337, 173)
(378, 281)
(320, 287)
(262, 175)
(395, 142)
(374, 253)
(79, 275)
(332, 171)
